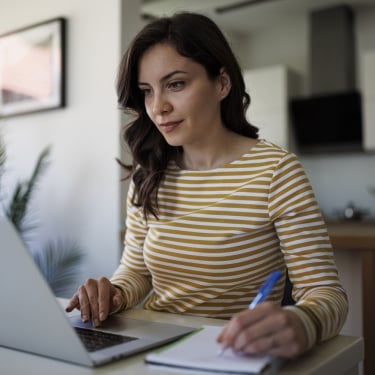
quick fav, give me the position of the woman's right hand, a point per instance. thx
(96, 299)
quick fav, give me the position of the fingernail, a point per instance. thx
(85, 318)
(96, 322)
(102, 317)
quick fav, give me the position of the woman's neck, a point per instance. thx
(218, 153)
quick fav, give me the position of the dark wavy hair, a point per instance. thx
(198, 38)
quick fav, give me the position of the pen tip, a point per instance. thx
(221, 352)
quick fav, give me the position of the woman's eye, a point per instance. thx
(145, 91)
(176, 85)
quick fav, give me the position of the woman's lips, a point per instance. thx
(169, 126)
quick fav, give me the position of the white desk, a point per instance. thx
(340, 355)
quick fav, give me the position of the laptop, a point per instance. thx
(32, 319)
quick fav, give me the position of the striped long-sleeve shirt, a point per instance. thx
(219, 234)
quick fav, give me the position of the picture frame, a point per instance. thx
(32, 68)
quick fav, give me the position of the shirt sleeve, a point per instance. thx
(321, 301)
(132, 276)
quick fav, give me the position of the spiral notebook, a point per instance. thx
(200, 351)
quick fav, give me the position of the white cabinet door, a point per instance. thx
(368, 100)
(269, 89)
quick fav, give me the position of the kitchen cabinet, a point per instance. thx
(270, 89)
(368, 100)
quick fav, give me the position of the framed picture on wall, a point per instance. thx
(32, 68)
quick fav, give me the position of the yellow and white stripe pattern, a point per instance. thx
(221, 232)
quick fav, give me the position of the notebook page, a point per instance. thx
(200, 351)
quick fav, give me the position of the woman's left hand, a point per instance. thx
(266, 329)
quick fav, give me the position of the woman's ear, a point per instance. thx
(225, 84)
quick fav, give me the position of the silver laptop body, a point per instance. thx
(32, 320)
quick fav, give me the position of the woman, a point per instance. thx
(211, 209)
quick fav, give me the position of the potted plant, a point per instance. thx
(58, 259)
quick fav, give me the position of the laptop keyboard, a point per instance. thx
(96, 340)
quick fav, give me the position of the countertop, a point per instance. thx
(352, 234)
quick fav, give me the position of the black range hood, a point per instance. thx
(330, 119)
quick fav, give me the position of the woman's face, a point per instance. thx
(179, 97)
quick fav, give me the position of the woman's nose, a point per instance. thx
(160, 105)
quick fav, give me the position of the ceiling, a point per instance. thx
(249, 15)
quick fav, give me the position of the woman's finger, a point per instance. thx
(104, 298)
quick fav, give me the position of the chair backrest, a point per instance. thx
(287, 298)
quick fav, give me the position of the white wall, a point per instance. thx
(79, 195)
(281, 45)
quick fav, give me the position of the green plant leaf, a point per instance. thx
(2, 162)
(23, 192)
(2, 155)
(59, 262)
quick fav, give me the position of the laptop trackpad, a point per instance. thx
(122, 325)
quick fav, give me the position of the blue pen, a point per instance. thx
(263, 292)
(265, 289)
